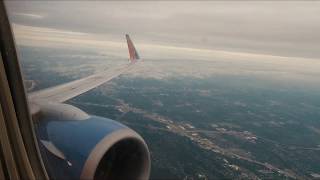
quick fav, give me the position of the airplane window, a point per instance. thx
(172, 90)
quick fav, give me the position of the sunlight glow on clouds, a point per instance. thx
(39, 36)
(169, 61)
(29, 15)
(191, 38)
(276, 28)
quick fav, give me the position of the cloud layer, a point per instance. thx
(282, 28)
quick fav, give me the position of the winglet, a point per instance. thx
(133, 54)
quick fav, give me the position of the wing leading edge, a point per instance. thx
(72, 89)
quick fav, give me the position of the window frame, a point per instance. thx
(18, 143)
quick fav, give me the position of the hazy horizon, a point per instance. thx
(274, 28)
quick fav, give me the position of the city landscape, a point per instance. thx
(202, 119)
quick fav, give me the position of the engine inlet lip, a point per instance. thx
(93, 160)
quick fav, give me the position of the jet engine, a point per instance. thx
(75, 145)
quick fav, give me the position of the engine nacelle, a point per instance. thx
(75, 145)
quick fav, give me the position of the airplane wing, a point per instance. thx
(72, 89)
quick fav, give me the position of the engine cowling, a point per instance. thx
(75, 145)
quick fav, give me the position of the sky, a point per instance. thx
(289, 29)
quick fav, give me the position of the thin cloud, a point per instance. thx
(29, 15)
